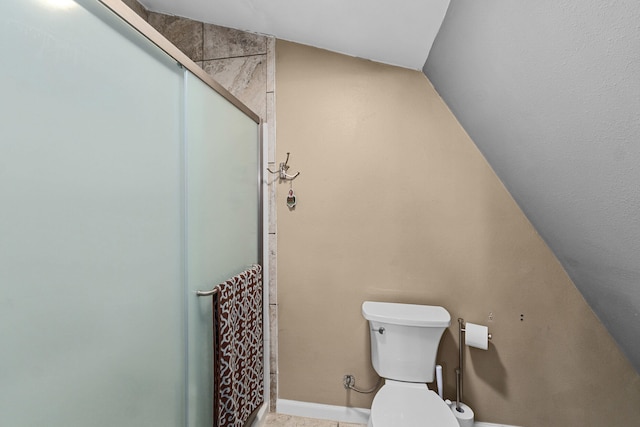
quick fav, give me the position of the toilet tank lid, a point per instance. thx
(406, 314)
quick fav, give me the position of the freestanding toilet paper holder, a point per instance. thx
(459, 370)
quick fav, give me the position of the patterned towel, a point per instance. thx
(238, 349)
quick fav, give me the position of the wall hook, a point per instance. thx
(282, 170)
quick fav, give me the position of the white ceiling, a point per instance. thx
(393, 32)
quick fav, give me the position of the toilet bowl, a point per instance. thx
(404, 343)
(399, 404)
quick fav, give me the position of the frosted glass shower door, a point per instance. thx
(92, 329)
(222, 221)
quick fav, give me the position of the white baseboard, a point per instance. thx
(338, 413)
(323, 412)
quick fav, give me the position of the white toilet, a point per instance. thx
(404, 343)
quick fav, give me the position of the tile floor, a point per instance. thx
(282, 420)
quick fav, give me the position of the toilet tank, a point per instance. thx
(405, 339)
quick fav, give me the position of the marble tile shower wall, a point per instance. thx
(235, 59)
(244, 64)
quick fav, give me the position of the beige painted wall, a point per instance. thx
(395, 203)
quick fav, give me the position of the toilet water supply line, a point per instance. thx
(349, 382)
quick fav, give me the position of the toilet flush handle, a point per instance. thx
(380, 330)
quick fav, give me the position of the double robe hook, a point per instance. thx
(282, 170)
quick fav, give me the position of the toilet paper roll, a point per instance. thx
(465, 416)
(476, 336)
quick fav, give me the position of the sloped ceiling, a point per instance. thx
(548, 90)
(397, 33)
(550, 93)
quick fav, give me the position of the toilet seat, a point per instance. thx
(399, 404)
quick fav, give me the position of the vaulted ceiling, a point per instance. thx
(548, 90)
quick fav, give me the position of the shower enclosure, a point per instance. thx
(126, 184)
